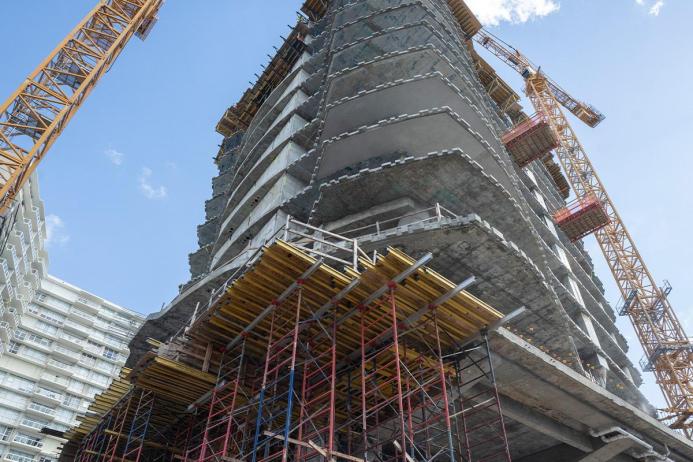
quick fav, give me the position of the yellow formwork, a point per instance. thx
(257, 292)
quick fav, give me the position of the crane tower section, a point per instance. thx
(36, 113)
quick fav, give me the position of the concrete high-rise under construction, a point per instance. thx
(376, 121)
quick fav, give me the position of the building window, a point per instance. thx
(71, 401)
(5, 432)
(573, 287)
(19, 383)
(14, 347)
(33, 423)
(28, 440)
(19, 456)
(110, 353)
(88, 359)
(41, 408)
(8, 415)
(41, 297)
(46, 328)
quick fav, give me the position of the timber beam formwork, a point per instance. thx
(313, 363)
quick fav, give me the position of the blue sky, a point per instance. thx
(124, 187)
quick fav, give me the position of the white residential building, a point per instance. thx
(59, 344)
(23, 261)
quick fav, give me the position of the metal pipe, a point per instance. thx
(619, 434)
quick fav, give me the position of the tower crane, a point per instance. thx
(668, 351)
(37, 112)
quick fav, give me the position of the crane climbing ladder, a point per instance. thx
(668, 350)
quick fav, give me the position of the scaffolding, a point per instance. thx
(296, 360)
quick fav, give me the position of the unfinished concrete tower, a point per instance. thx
(377, 121)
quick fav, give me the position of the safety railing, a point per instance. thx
(434, 214)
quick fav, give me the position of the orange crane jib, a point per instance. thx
(33, 117)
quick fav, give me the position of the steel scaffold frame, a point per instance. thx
(122, 410)
(222, 431)
(480, 411)
(277, 392)
(139, 426)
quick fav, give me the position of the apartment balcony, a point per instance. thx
(74, 326)
(5, 271)
(28, 423)
(12, 317)
(27, 443)
(5, 332)
(59, 366)
(85, 318)
(69, 340)
(20, 302)
(64, 353)
(54, 380)
(40, 410)
(93, 349)
(87, 305)
(47, 397)
(17, 458)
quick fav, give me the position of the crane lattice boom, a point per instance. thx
(667, 348)
(524, 67)
(669, 352)
(37, 112)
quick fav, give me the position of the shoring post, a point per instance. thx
(443, 384)
(263, 387)
(292, 374)
(398, 367)
(492, 375)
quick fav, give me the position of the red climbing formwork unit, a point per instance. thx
(530, 140)
(582, 217)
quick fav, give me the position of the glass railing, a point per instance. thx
(31, 423)
(59, 365)
(65, 351)
(49, 394)
(29, 441)
(84, 316)
(55, 379)
(71, 338)
(18, 458)
(42, 409)
(74, 325)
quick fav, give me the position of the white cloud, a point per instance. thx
(493, 12)
(55, 231)
(116, 157)
(656, 8)
(150, 191)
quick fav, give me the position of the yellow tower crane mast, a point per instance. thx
(38, 111)
(668, 351)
